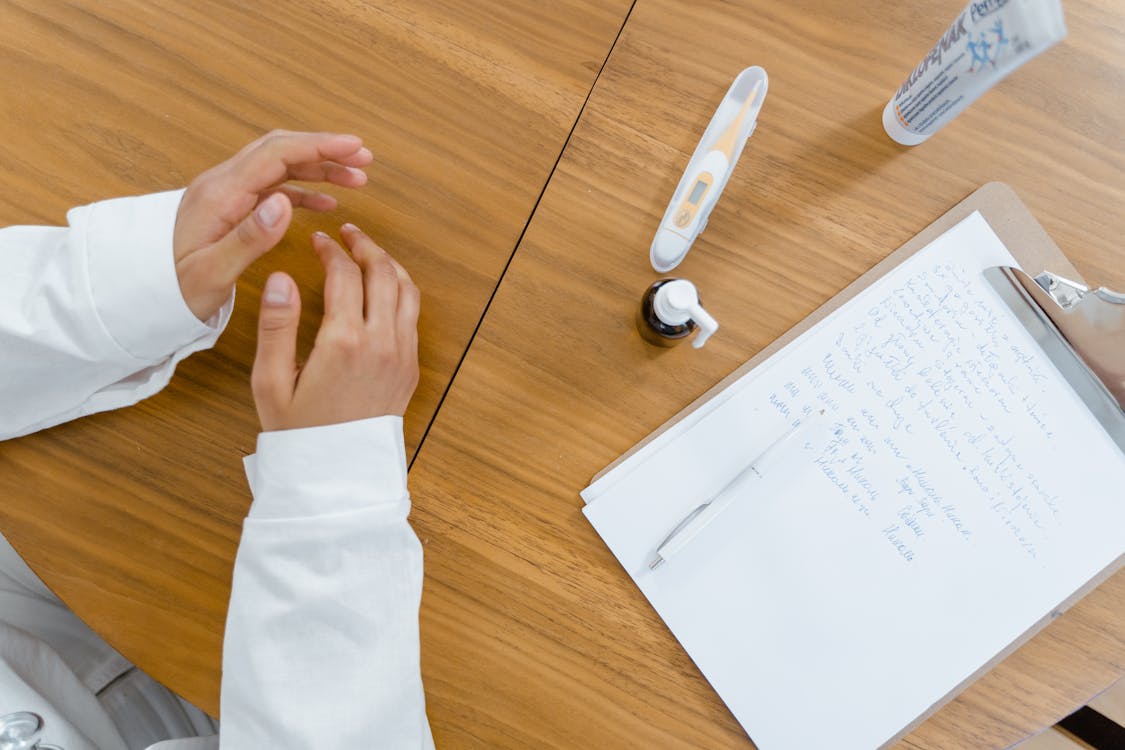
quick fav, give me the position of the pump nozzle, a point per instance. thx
(707, 325)
(677, 302)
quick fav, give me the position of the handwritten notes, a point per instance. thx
(964, 492)
(930, 364)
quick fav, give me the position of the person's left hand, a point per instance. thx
(237, 211)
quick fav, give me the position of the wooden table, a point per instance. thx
(466, 105)
(532, 634)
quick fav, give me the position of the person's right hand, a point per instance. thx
(364, 362)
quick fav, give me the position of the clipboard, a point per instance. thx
(1032, 299)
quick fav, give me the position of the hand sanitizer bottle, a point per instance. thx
(670, 311)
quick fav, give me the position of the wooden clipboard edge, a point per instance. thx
(1005, 213)
(1026, 239)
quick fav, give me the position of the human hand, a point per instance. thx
(364, 362)
(237, 211)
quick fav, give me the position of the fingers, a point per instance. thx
(381, 277)
(275, 364)
(390, 299)
(406, 322)
(327, 171)
(409, 305)
(301, 197)
(319, 156)
(361, 158)
(343, 283)
(393, 302)
(334, 146)
(251, 238)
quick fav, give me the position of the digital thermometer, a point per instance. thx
(709, 169)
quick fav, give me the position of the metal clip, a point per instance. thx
(1065, 292)
(1076, 327)
(1069, 293)
(1093, 323)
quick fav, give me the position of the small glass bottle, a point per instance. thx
(670, 310)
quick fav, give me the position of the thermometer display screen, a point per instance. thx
(697, 192)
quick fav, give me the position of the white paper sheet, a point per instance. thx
(968, 492)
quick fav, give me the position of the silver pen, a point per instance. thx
(704, 514)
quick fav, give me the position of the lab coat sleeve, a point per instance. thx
(91, 314)
(321, 645)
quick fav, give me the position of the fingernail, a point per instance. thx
(320, 236)
(270, 211)
(349, 227)
(277, 291)
(365, 153)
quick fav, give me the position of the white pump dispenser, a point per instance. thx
(677, 302)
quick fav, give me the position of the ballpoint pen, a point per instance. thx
(704, 514)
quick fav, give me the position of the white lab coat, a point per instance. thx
(321, 646)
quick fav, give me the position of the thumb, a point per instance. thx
(254, 236)
(275, 363)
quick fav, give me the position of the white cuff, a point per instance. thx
(318, 471)
(132, 274)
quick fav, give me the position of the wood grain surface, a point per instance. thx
(533, 636)
(133, 517)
